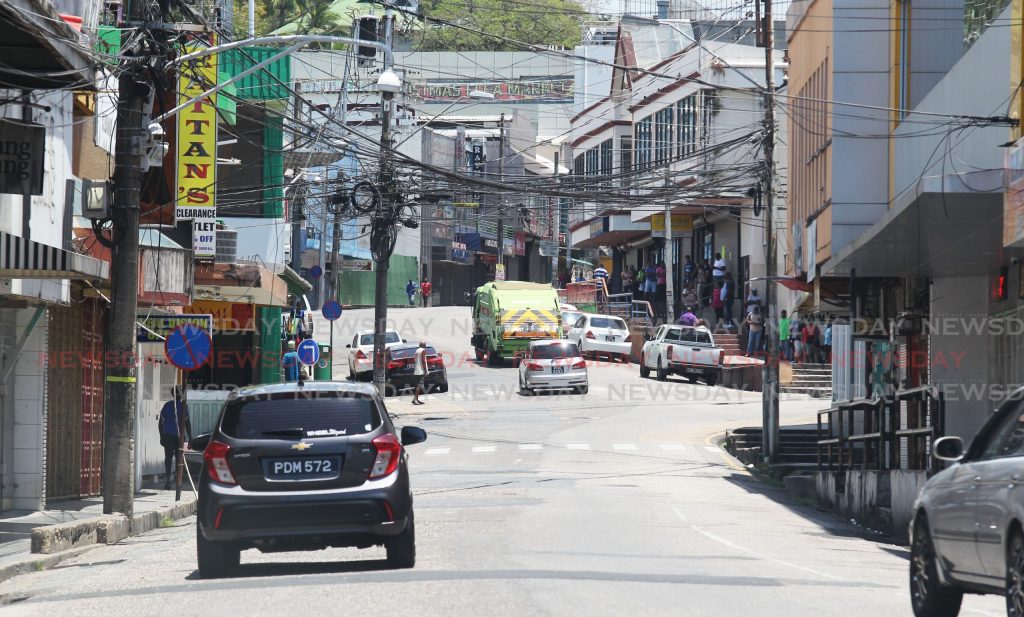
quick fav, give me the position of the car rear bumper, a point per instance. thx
(569, 380)
(362, 366)
(607, 346)
(376, 508)
(408, 381)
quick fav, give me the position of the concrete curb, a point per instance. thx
(36, 563)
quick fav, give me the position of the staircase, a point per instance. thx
(730, 343)
(814, 380)
(798, 447)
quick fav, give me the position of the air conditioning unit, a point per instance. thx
(227, 245)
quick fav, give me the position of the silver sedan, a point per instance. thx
(966, 533)
(553, 365)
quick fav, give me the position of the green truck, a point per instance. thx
(507, 315)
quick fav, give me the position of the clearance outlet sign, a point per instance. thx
(197, 153)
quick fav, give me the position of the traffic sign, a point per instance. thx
(188, 347)
(331, 310)
(308, 352)
(316, 272)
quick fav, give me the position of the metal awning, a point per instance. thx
(28, 259)
(296, 284)
(931, 232)
(41, 50)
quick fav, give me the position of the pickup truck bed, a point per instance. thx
(682, 350)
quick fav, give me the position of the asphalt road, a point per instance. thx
(613, 503)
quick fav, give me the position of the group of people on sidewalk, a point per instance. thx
(412, 287)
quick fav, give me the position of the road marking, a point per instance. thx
(436, 451)
(483, 449)
(714, 449)
(621, 447)
(531, 446)
(578, 446)
(671, 447)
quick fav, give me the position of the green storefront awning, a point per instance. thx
(296, 284)
(226, 101)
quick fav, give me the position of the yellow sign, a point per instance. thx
(680, 222)
(197, 151)
(228, 317)
(530, 323)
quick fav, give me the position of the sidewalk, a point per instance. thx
(75, 526)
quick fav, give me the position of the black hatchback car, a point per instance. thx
(303, 467)
(401, 369)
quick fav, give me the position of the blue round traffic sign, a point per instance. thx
(188, 347)
(316, 272)
(308, 352)
(331, 310)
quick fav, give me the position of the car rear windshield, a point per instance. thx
(607, 322)
(300, 415)
(389, 337)
(556, 350)
(408, 352)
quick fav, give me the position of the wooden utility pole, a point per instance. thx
(770, 387)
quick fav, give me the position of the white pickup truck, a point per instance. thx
(682, 350)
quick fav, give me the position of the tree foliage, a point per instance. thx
(537, 22)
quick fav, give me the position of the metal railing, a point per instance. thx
(871, 433)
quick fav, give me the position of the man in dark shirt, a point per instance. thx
(174, 423)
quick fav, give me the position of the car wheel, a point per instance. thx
(645, 371)
(402, 548)
(522, 386)
(493, 358)
(480, 355)
(1015, 576)
(927, 595)
(216, 560)
(662, 373)
(442, 387)
(582, 389)
(711, 379)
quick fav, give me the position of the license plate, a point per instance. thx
(557, 370)
(610, 338)
(321, 468)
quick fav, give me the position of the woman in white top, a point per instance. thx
(420, 363)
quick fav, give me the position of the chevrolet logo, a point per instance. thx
(302, 446)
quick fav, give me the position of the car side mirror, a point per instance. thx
(404, 341)
(949, 449)
(413, 435)
(348, 347)
(199, 442)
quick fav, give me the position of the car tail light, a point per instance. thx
(669, 353)
(360, 355)
(590, 334)
(393, 364)
(435, 361)
(216, 458)
(629, 338)
(388, 453)
(533, 366)
(580, 364)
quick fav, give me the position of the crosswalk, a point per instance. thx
(573, 446)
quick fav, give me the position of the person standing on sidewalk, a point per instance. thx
(425, 287)
(420, 371)
(174, 423)
(787, 351)
(795, 328)
(755, 331)
(728, 293)
(717, 303)
(290, 362)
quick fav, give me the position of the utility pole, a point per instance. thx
(298, 197)
(119, 390)
(501, 196)
(322, 281)
(669, 246)
(555, 223)
(383, 233)
(336, 227)
(770, 387)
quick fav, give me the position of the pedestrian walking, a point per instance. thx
(627, 279)
(784, 347)
(650, 280)
(689, 273)
(755, 331)
(420, 371)
(174, 423)
(728, 293)
(660, 274)
(410, 290)
(718, 303)
(828, 340)
(425, 288)
(290, 362)
(809, 340)
(795, 342)
(601, 273)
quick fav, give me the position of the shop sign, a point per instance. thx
(21, 157)
(499, 272)
(356, 264)
(163, 325)
(487, 258)
(520, 240)
(544, 90)
(227, 316)
(680, 223)
(597, 227)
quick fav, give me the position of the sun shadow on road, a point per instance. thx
(284, 568)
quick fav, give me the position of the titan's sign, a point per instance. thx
(197, 152)
(556, 90)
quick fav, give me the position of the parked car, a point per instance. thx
(569, 319)
(303, 467)
(553, 364)
(967, 531)
(602, 335)
(401, 368)
(682, 350)
(360, 353)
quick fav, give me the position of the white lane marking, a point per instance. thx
(622, 447)
(715, 449)
(483, 449)
(743, 549)
(671, 447)
(437, 451)
(578, 446)
(531, 446)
